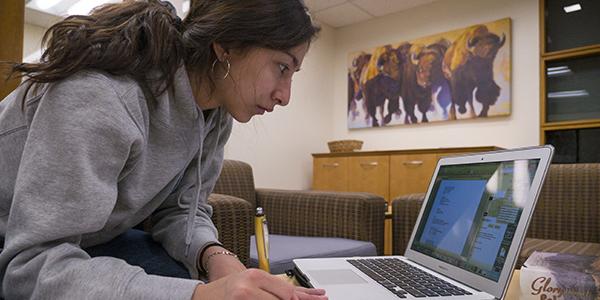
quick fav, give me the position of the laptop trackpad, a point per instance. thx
(341, 276)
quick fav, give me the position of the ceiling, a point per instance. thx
(335, 13)
(340, 13)
(44, 13)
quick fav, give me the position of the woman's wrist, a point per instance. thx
(200, 261)
(218, 264)
(209, 256)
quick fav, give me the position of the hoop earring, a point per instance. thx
(212, 68)
(228, 68)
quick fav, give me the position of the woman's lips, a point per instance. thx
(261, 110)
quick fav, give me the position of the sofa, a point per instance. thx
(565, 220)
(326, 224)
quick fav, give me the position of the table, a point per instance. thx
(514, 287)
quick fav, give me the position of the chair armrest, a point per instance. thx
(233, 217)
(405, 211)
(357, 216)
(568, 205)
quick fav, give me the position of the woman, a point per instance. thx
(125, 118)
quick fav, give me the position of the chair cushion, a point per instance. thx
(284, 248)
(544, 245)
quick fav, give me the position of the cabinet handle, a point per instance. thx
(369, 164)
(331, 165)
(413, 162)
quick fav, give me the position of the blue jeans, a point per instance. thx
(137, 248)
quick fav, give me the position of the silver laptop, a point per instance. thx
(466, 240)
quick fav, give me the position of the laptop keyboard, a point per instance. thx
(401, 278)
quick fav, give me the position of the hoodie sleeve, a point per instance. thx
(170, 220)
(78, 143)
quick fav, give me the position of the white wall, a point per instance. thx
(520, 129)
(278, 145)
(32, 41)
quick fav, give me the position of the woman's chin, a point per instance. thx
(242, 118)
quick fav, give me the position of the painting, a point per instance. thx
(460, 74)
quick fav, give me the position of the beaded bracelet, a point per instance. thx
(217, 253)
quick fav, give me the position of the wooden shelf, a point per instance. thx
(571, 125)
(571, 53)
(550, 57)
(457, 150)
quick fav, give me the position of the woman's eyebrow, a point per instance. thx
(294, 59)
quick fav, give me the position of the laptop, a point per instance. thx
(465, 242)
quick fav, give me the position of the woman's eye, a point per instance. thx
(283, 68)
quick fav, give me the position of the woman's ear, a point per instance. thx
(221, 53)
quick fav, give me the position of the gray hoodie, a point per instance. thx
(89, 158)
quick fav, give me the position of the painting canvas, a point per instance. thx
(461, 74)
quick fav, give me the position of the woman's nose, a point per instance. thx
(282, 94)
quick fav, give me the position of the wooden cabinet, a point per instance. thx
(410, 173)
(12, 14)
(386, 173)
(330, 174)
(369, 174)
(569, 80)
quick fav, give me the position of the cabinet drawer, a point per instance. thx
(411, 173)
(330, 174)
(369, 174)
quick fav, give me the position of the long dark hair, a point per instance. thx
(136, 38)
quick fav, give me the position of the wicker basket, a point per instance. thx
(344, 145)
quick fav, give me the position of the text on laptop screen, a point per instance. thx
(473, 212)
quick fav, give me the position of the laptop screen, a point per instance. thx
(473, 212)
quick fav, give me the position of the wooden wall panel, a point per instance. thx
(12, 14)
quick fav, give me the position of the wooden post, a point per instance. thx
(12, 16)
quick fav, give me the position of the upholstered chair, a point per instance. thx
(302, 224)
(565, 219)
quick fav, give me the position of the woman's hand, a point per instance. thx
(303, 293)
(254, 284)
